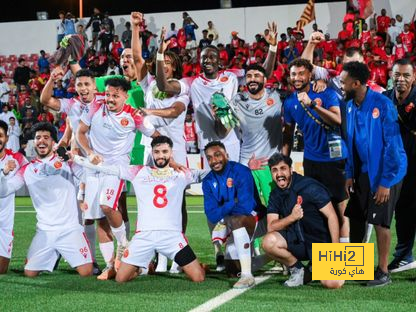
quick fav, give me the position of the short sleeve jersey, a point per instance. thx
(174, 128)
(201, 91)
(260, 124)
(112, 134)
(315, 136)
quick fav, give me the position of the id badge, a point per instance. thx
(334, 145)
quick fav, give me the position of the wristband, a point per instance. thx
(313, 104)
(273, 48)
(160, 57)
(73, 62)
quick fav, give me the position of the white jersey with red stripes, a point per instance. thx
(159, 195)
(7, 203)
(74, 108)
(112, 134)
(51, 187)
(202, 90)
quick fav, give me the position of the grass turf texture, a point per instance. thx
(64, 290)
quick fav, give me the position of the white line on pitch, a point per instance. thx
(225, 297)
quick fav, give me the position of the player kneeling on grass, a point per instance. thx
(159, 193)
(299, 214)
(231, 198)
(52, 189)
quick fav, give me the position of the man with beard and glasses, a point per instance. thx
(404, 98)
(7, 159)
(87, 97)
(231, 198)
(299, 214)
(111, 127)
(52, 189)
(319, 118)
(159, 218)
(376, 163)
(213, 80)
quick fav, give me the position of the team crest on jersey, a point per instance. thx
(409, 107)
(126, 253)
(224, 79)
(229, 182)
(214, 184)
(124, 122)
(318, 102)
(376, 113)
(57, 165)
(269, 102)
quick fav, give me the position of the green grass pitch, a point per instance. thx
(63, 290)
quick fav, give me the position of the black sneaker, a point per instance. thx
(307, 277)
(220, 263)
(380, 279)
(96, 269)
(399, 265)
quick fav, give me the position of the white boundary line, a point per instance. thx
(226, 296)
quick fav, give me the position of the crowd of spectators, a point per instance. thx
(383, 40)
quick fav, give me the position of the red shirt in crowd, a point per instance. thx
(390, 60)
(399, 51)
(299, 46)
(383, 23)
(181, 38)
(329, 46)
(378, 73)
(344, 35)
(407, 40)
(190, 133)
(187, 69)
(366, 37)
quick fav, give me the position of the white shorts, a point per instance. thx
(6, 243)
(107, 188)
(94, 211)
(72, 244)
(233, 152)
(231, 250)
(143, 246)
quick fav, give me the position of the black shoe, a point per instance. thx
(380, 279)
(307, 277)
(96, 269)
(220, 263)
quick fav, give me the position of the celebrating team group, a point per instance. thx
(359, 167)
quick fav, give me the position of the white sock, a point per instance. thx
(127, 225)
(120, 234)
(91, 236)
(162, 263)
(242, 244)
(217, 249)
(107, 250)
(344, 239)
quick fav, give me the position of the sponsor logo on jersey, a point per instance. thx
(409, 107)
(229, 182)
(126, 253)
(214, 184)
(269, 102)
(376, 113)
(124, 122)
(57, 165)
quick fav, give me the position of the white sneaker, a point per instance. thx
(296, 277)
(162, 264)
(245, 281)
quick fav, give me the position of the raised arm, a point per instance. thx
(172, 87)
(136, 18)
(271, 54)
(46, 97)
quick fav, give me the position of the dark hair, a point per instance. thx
(358, 71)
(121, 83)
(213, 48)
(353, 50)
(177, 64)
(161, 139)
(277, 158)
(301, 62)
(11, 117)
(44, 126)
(4, 126)
(42, 51)
(256, 67)
(84, 73)
(21, 60)
(403, 61)
(214, 143)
